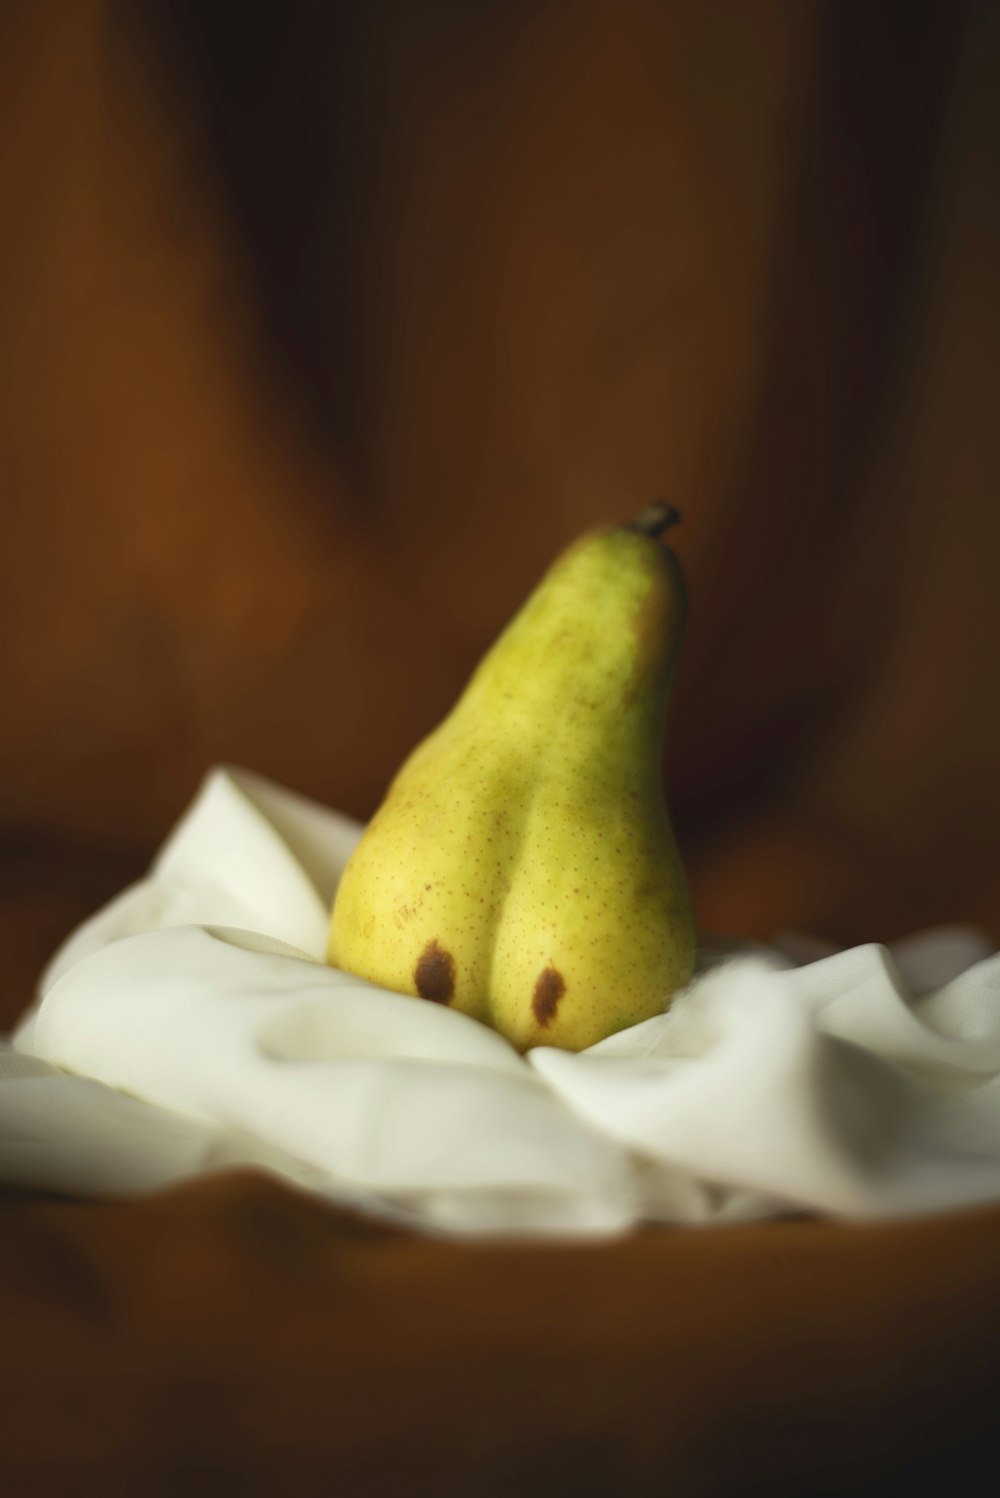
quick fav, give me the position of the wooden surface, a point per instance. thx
(231, 1337)
(316, 342)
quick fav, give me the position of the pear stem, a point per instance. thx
(655, 519)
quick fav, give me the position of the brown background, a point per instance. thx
(320, 333)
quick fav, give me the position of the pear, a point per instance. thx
(522, 866)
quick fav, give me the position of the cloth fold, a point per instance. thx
(192, 1025)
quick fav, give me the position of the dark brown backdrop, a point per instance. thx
(323, 332)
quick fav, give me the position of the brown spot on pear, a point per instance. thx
(549, 990)
(434, 974)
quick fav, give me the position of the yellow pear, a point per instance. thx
(522, 866)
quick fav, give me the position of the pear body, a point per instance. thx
(522, 866)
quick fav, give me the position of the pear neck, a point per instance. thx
(589, 657)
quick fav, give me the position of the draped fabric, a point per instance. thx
(858, 1084)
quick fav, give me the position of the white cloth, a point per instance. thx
(192, 1025)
